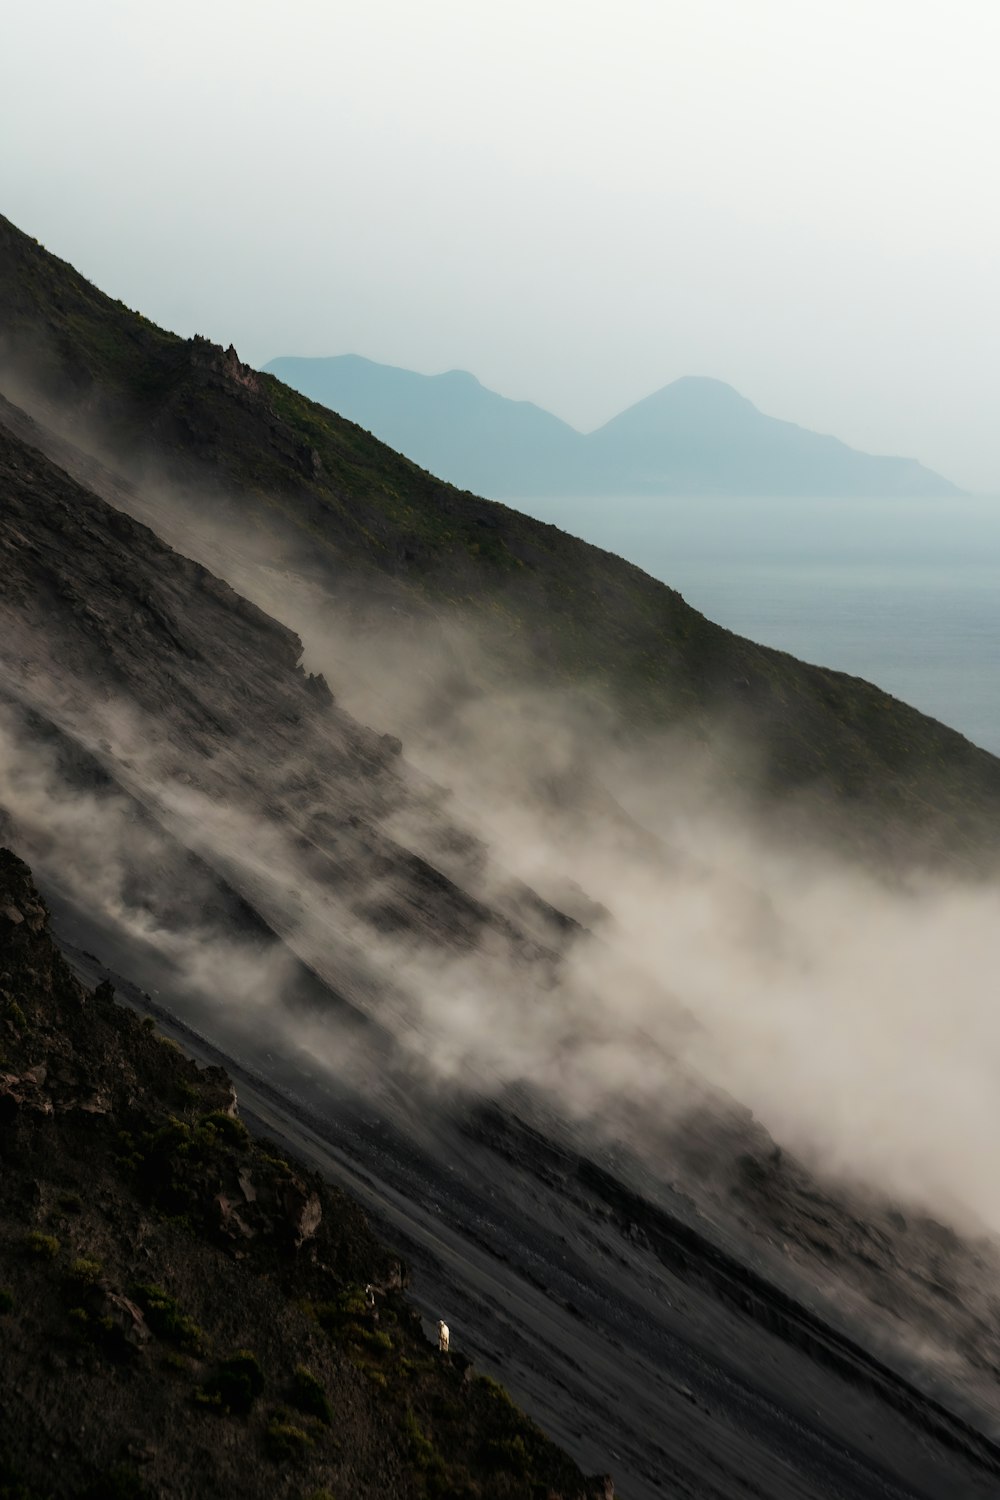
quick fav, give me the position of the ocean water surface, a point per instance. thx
(905, 593)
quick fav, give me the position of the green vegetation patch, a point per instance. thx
(167, 1320)
(498, 1392)
(168, 1160)
(506, 1456)
(41, 1246)
(15, 1015)
(368, 1348)
(336, 1316)
(423, 1452)
(284, 1441)
(308, 1395)
(232, 1130)
(234, 1385)
(369, 1338)
(84, 1272)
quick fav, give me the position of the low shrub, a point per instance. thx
(179, 1363)
(41, 1246)
(425, 1455)
(166, 1319)
(371, 1339)
(282, 1441)
(232, 1130)
(506, 1455)
(16, 1016)
(308, 1395)
(84, 1273)
(235, 1384)
(334, 1317)
(496, 1390)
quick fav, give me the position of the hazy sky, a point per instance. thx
(576, 201)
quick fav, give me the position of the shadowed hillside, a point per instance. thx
(549, 1088)
(383, 534)
(182, 1310)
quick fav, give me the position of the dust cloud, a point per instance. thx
(857, 1017)
(714, 956)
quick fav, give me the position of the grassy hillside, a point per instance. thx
(559, 612)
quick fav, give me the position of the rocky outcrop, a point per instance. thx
(24, 1094)
(226, 363)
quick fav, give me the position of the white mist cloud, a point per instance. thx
(856, 1020)
(728, 963)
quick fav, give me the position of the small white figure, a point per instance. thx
(369, 1296)
(443, 1337)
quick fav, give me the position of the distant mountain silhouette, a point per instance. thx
(696, 436)
(449, 424)
(700, 436)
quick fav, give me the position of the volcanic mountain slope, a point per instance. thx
(223, 783)
(416, 1023)
(184, 1312)
(391, 543)
(210, 823)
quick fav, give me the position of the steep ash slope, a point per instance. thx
(212, 825)
(692, 1361)
(379, 532)
(177, 693)
(183, 1312)
(230, 809)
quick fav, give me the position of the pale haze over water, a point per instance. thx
(580, 202)
(902, 592)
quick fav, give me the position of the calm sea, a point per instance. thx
(905, 593)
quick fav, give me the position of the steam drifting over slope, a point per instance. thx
(529, 911)
(716, 956)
